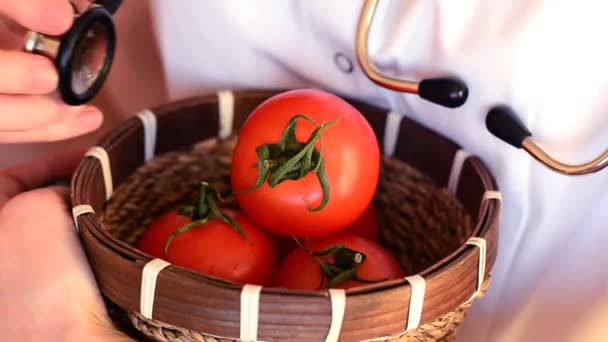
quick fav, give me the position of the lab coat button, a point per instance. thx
(343, 63)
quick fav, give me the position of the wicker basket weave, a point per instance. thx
(438, 208)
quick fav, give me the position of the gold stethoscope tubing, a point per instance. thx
(539, 154)
(527, 143)
(446, 91)
(365, 22)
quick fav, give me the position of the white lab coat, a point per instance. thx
(546, 59)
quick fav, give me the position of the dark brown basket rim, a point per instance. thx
(110, 256)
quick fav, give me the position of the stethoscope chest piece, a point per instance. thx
(83, 56)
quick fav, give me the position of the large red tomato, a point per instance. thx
(300, 271)
(214, 248)
(290, 200)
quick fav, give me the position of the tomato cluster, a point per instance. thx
(304, 172)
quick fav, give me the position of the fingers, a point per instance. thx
(28, 110)
(83, 123)
(45, 273)
(37, 117)
(25, 73)
(22, 178)
(53, 17)
(12, 35)
(25, 112)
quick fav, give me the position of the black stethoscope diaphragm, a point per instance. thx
(83, 56)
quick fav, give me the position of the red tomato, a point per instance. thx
(367, 225)
(300, 271)
(285, 244)
(351, 161)
(215, 248)
(152, 240)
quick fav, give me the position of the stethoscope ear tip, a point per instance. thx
(449, 92)
(502, 122)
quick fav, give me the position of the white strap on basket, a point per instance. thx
(481, 243)
(338, 305)
(250, 310)
(148, 286)
(148, 120)
(391, 132)
(481, 269)
(459, 158)
(104, 159)
(80, 210)
(492, 195)
(414, 315)
(226, 109)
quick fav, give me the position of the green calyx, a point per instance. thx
(344, 266)
(202, 212)
(289, 159)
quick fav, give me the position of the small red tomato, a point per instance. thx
(153, 239)
(367, 225)
(285, 244)
(306, 164)
(300, 271)
(215, 248)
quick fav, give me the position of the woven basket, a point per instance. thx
(438, 206)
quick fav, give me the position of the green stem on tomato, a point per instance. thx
(289, 159)
(204, 209)
(344, 267)
(180, 230)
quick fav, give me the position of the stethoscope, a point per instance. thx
(83, 57)
(501, 121)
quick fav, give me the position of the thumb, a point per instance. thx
(52, 17)
(38, 173)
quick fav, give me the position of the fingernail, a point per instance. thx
(45, 79)
(90, 119)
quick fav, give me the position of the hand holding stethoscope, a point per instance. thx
(54, 57)
(84, 55)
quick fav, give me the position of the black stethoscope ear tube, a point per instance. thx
(449, 92)
(502, 122)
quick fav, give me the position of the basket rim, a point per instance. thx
(93, 233)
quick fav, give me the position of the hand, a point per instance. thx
(47, 290)
(30, 108)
